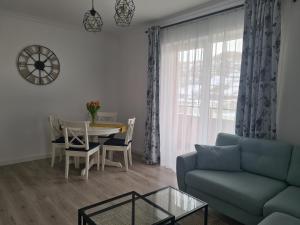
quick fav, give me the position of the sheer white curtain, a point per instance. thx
(199, 81)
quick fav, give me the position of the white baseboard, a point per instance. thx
(24, 159)
(45, 156)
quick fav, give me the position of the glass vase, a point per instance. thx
(93, 117)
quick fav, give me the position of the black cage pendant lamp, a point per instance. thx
(124, 12)
(92, 20)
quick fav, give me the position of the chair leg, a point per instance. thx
(98, 159)
(110, 155)
(77, 162)
(67, 166)
(60, 154)
(53, 155)
(103, 157)
(87, 166)
(130, 156)
(126, 160)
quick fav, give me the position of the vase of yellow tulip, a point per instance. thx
(93, 107)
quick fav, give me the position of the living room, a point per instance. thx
(185, 112)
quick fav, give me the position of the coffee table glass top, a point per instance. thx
(125, 210)
(175, 202)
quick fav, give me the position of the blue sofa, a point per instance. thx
(269, 181)
(280, 219)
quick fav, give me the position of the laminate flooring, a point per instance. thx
(33, 193)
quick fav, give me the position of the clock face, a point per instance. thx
(38, 65)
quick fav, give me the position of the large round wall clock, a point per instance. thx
(38, 65)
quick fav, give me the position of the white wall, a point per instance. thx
(87, 66)
(133, 82)
(289, 82)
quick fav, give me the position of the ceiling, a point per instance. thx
(71, 11)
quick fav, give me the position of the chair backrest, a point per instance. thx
(76, 134)
(54, 127)
(107, 116)
(130, 128)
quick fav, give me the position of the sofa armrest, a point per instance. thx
(184, 164)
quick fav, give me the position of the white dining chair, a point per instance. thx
(107, 116)
(120, 145)
(77, 145)
(57, 141)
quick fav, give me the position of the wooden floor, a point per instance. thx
(33, 193)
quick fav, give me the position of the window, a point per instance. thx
(199, 82)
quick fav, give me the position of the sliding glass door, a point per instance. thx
(199, 81)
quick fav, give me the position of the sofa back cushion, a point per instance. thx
(265, 157)
(224, 158)
(224, 139)
(294, 171)
(259, 156)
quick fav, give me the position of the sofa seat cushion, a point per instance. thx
(287, 201)
(280, 219)
(243, 190)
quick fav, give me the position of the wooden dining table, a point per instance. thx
(105, 129)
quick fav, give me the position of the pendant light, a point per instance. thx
(124, 12)
(92, 20)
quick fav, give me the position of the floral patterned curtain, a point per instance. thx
(257, 100)
(152, 151)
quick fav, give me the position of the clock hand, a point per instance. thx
(40, 76)
(30, 55)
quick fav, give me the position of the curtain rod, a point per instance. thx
(201, 17)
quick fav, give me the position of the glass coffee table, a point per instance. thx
(178, 203)
(165, 206)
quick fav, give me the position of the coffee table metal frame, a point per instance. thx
(84, 218)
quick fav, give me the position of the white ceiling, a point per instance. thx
(71, 11)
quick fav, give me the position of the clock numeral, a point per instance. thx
(45, 51)
(31, 78)
(46, 80)
(52, 76)
(33, 49)
(22, 64)
(24, 57)
(24, 72)
(56, 67)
